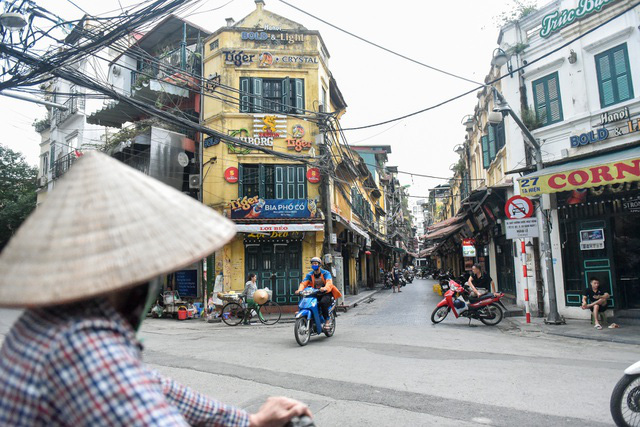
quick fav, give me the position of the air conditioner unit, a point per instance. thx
(194, 181)
(43, 181)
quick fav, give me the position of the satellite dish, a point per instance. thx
(183, 159)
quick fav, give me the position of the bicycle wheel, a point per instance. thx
(232, 313)
(269, 313)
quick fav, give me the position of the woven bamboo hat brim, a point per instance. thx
(105, 227)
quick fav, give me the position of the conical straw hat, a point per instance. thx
(105, 227)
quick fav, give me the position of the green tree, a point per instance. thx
(518, 10)
(17, 192)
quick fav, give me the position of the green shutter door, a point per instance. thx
(291, 183)
(492, 142)
(301, 182)
(554, 106)
(485, 152)
(286, 95)
(299, 102)
(279, 180)
(245, 91)
(614, 76)
(261, 181)
(540, 101)
(258, 93)
(622, 74)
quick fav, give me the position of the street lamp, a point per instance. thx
(500, 58)
(459, 149)
(468, 122)
(12, 21)
(501, 109)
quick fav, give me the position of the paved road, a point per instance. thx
(387, 365)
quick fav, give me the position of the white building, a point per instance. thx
(585, 103)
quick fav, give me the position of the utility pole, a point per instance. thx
(325, 190)
(545, 240)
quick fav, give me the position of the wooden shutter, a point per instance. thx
(486, 161)
(261, 180)
(286, 95)
(291, 183)
(547, 100)
(540, 101)
(245, 94)
(299, 95)
(622, 73)
(257, 94)
(554, 105)
(491, 141)
(301, 182)
(500, 136)
(279, 180)
(614, 76)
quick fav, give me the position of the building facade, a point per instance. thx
(582, 103)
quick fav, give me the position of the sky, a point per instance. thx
(456, 36)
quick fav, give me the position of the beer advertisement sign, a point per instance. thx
(256, 208)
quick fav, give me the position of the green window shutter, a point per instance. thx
(245, 94)
(500, 136)
(486, 161)
(279, 180)
(301, 182)
(540, 101)
(291, 183)
(257, 94)
(491, 139)
(623, 74)
(299, 100)
(261, 180)
(52, 156)
(286, 95)
(614, 76)
(240, 181)
(554, 103)
(547, 100)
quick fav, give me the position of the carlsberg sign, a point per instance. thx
(559, 19)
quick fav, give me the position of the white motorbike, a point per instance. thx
(625, 399)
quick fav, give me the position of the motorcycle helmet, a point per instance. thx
(459, 303)
(315, 267)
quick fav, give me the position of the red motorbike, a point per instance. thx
(487, 308)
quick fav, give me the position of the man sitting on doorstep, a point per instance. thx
(595, 299)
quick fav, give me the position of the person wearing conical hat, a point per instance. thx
(84, 267)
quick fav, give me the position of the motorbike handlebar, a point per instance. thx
(303, 421)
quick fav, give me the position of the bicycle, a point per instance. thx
(268, 313)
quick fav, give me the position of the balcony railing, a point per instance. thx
(62, 165)
(72, 108)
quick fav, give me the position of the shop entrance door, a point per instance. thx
(504, 264)
(627, 256)
(278, 267)
(585, 258)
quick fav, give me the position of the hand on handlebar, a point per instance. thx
(277, 411)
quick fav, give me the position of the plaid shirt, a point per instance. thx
(80, 365)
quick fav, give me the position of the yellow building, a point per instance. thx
(269, 79)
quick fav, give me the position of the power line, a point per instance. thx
(447, 101)
(439, 70)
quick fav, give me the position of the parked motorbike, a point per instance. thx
(487, 308)
(309, 319)
(388, 280)
(625, 399)
(408, 277)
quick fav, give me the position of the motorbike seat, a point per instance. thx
(486, 296)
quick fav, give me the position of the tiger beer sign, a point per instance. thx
(593, 176)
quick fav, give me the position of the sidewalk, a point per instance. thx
(582, 329)
(351, 301)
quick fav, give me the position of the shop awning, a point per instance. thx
(610, 168)
(444, 232)
(268, 228)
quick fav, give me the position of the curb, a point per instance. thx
(346, 307)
